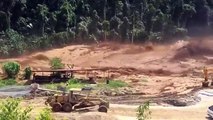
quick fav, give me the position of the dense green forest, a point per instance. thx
(40, 24)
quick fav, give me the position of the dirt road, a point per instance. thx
(128, 112)
(195, 112)
(169, 113)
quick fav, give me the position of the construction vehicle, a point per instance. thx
(75, 99)
(206, 72)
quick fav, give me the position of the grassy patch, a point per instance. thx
(117, 84)
(72, 83)
(114, 84)
(7, 82)
(50, 86)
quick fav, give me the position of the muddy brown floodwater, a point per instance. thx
(164, 74)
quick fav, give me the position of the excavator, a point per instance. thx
(206, 72)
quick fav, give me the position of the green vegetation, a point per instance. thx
(13, 44)
(11, 69)
(10, 110)
(113, 84)
(117, 84)
(143, 112)
(56, 63)
(7, 82)
(30, 25)
(72, 83)
(45, 115)
(27, 73)
(75, 83)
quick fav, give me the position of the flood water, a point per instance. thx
(15, 91)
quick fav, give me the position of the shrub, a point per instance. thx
(143, 112)
(27, 73)
(45, 114)
(10, 110)
(11, 69)
(56, 63)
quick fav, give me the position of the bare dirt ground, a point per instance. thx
(194, 112)
(151, 70)
(128, 112)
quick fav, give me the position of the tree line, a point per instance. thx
(33, 24)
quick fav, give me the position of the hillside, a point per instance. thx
(28, 25)
(151, 50)
(169, 68)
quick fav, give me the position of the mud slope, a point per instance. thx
(180, 57)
